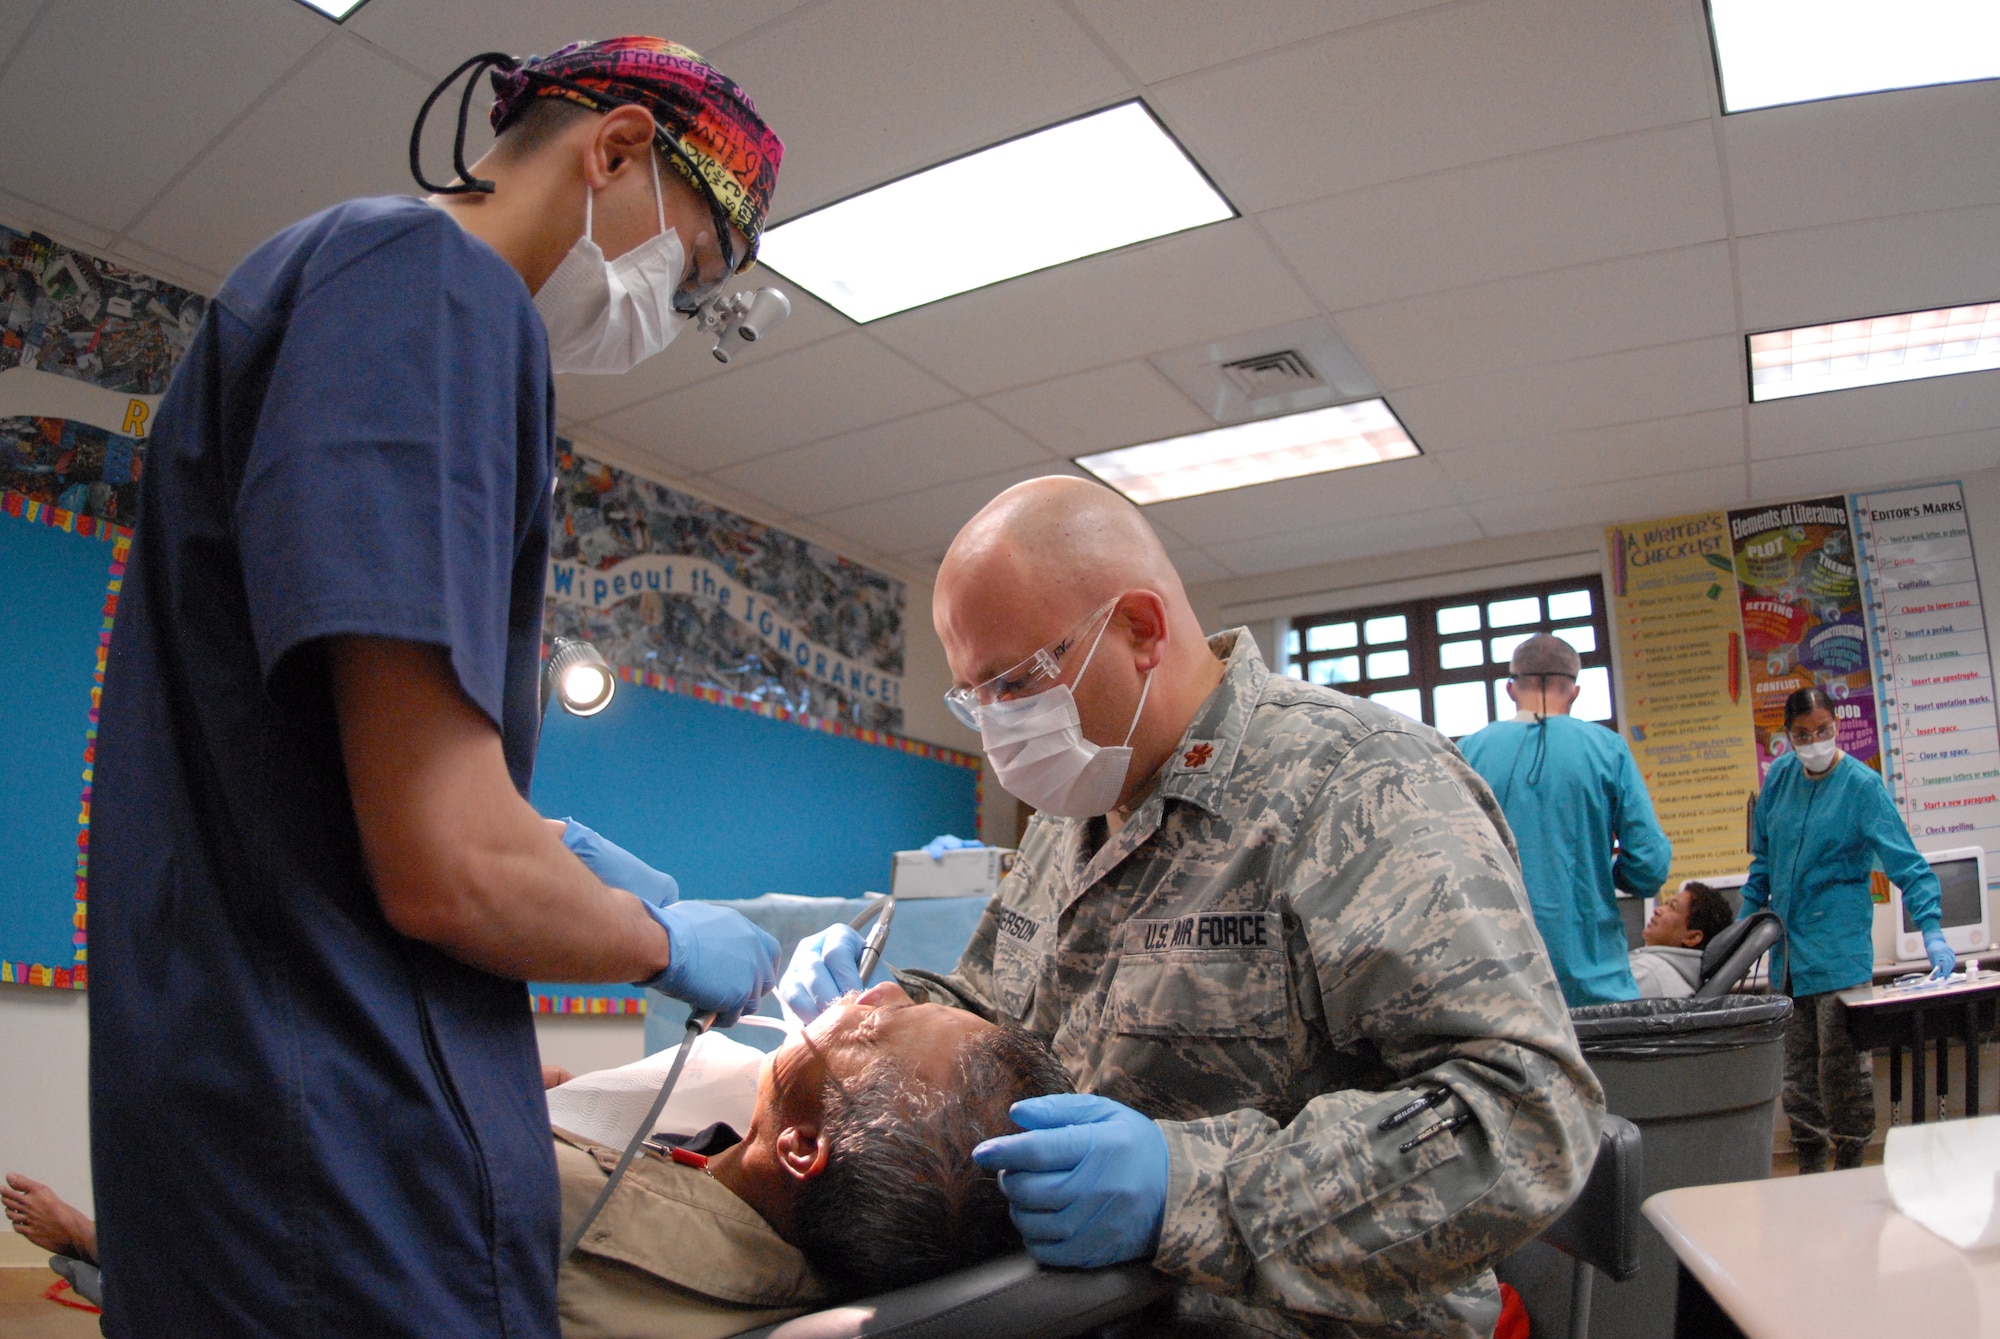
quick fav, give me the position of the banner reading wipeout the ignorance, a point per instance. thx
(693, 579)
(666, 584)
(1803, 622)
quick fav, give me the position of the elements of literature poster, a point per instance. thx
(1681, 688)
(1803, 622)
(1933, 664)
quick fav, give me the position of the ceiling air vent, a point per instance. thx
(1272, 374)
(1281, 369)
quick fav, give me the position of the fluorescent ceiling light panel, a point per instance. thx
(1339, 437)
(337, 10)
(1773, 52)
(964, 224)
(1875, 351)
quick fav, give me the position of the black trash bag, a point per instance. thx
(1680, 1027)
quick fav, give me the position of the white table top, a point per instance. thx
(1980, 981)
(1827, 1257)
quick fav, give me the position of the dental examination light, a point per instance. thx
(576, 675)
(741, 318)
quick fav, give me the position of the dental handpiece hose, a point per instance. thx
(697, 1025)
(871, 948)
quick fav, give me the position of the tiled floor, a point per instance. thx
(24, 1315)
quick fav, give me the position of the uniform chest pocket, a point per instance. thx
(1016, 965)
(1206, 993)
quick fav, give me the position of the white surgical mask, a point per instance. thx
(1038, 750)
(608, 317)
(1817, 757)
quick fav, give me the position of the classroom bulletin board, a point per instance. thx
(1875, 597)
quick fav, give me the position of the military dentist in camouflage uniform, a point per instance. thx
(1276, 934)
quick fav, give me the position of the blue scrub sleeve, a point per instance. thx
(1644, 853)
(1901, 861)
(1757, 886)
(376, 498)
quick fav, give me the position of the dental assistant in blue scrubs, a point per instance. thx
(1824, 823)
(316, 884)
(1569, 788)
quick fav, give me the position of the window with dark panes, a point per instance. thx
(1444, 661)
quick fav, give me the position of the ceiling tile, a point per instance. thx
(1853, 158)
(14, 21)
(1883, 466)
(1867, 415)
(435, 35)
(1162, 38)
(24, 215)
(834, 386)
(282, 163)
(1614, 503)
(1541, 211)
(1581, 393)
(960, 441)
(1588, 309)
(102, 150)
(581, 397)
(1196, 567)
(1870, 268)
(1264, 553)
(921, 525)
(1440, 88)
(1606, 455)
(1102, 408)
(1391, 488)
(864, 93)
(1202, 284)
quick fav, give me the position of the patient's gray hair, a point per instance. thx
(901, 1199)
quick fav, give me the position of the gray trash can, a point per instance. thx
(1701, 1079)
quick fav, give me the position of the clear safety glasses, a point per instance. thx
(1037, 674)
(1800, 738)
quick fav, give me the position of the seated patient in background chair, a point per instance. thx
(1668, 967)
(855, 1176)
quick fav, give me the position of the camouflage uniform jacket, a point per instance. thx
(1316, 917)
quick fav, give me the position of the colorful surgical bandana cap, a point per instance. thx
(702, 112)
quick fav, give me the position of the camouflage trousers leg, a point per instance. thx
(1829, 1085)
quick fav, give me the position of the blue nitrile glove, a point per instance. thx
(937, 846)
(717, 959)
(824, 967)
(1086, 1185)
(1940, 954)
(619, 867)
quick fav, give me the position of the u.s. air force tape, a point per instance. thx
(1206, 930)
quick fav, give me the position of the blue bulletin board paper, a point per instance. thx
(52, 608)
(734, 805)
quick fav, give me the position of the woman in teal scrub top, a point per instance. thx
(1824, 823)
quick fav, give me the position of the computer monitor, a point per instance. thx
(1961, 877)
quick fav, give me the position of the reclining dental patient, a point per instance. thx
(1668, 965)
(855, 1175)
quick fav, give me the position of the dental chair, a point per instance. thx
(1598, 1232)
(1014, 1298)
(1011, 1297)
(1728, 958)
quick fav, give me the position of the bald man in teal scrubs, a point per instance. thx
(1568, 787)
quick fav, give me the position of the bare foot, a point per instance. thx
(40, 1215)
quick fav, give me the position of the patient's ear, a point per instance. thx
(801, 1151)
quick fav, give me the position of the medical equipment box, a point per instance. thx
(968, 873)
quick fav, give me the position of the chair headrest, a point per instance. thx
(1717, 950)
